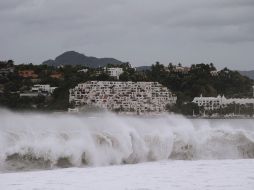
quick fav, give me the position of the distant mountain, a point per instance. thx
(75, 58)
(143, 68)
(249, 74)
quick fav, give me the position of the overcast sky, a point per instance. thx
(138, 31)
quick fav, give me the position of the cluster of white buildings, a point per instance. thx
(39, 90)
(123, 96)
(213, 103)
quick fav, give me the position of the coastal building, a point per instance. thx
(73, 110)
(213, 103)
(83, 70)
(39, 90)
(98, 72)
(180, 69)
(123, 96)
(45, 88)
(114, 71)
(214, 73)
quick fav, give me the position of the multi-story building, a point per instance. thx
(180, 69)
(214, 73)
(114, 71)
(43, 88)
(123, 96)
(213, 103)
(39, 90)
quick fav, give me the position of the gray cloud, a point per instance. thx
(11, 4)
(139, 31)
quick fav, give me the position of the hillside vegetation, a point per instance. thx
(198, 80)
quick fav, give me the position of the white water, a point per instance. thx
(47, 141)
(160, 175)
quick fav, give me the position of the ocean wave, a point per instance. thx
(46, 141)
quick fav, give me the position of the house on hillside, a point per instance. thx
(182, 70)
(114, 71)
(27, 74)
(39, 90)
(83, 70)
(214, 73)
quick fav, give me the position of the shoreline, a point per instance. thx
(148, 114)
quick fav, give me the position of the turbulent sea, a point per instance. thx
(30, 141)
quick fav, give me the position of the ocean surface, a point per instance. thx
(159, 175)
(180, 152)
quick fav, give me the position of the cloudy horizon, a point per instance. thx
(140, 31)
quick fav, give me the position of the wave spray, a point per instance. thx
(46, 141)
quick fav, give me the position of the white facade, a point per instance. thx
(43, 88)
(214, 73)
(74, 110)
(123, 96)
(213, 103)
(114, 72)
(180, 69)
(83, 70)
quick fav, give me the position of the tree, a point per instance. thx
(170, 66)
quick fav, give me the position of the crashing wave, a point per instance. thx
(48, 141)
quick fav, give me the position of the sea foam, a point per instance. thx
(30, 141)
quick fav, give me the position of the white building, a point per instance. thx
(123, 96)
(214, 73)
(114, 72)
(213, 103)
(74, 110)
(43, 88)
(39, 90)
(180, 69)
(83, 70)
